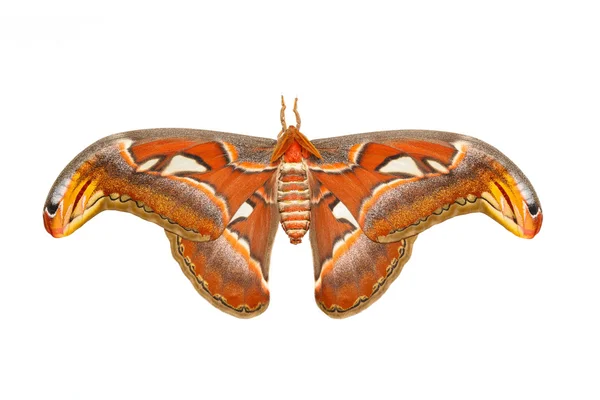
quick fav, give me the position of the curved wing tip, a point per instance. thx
(51, 225)
(533, 222)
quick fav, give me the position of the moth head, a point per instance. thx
(292, 136)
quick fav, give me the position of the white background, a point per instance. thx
(476, 314)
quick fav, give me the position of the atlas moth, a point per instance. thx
(362, 198)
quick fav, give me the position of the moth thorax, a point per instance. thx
(293, 198)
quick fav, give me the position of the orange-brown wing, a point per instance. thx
(397, 184)
(351, 270)
(231, 272)
(190, 182)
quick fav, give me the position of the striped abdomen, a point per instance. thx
(293, 197)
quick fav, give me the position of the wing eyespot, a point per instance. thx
(51, 208)
(534, 209)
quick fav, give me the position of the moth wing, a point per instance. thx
(351, 270)
(232, 271)
(398, 183)
(190, 182)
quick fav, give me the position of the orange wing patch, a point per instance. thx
(224, 273)
(213, 154)
(232, 271)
